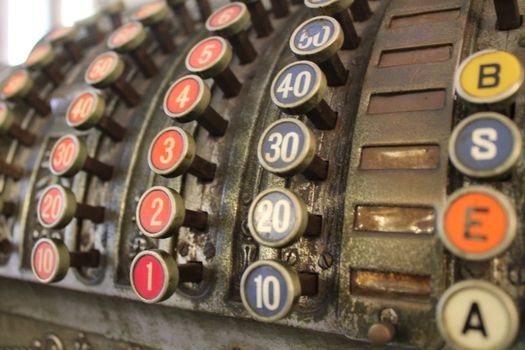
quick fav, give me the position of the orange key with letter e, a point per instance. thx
(478, 223)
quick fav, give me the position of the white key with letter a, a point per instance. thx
(477, 315)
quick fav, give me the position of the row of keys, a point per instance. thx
(478, 222)
(161, 211)
(278, 217)
(57, 205)
(50, 258)
(19, 86)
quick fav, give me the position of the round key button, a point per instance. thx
(19, 85)
(211, 58)
(51, 260)
(485, 145)
(339, 10)
(127, 38)
(152, 12)
(278, 218)
(231, 22)
(65, 36)
(8, 126)
(61, 34)
(477, 315)
(229, 19)
(69, 156)
(155, 16)
(478, 223)
(107, 70)
(87, 111)
(131, 38)
(489, 77)
(161, 212)
(288, 147)
(43, 57)
(299, 88)
(154, 275)
(172, 153)
(188, 99)
(104, 70)
(318, 40)
(58, 206)
(40, 56)
(269, 289)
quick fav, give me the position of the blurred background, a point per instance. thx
(24, 22)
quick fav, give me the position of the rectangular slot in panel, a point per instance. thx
(415, 55)
(389, 285)
(424, 18)
(409, 101)
(412, 157)
(395, 219)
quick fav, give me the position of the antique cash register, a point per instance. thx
(252, 175)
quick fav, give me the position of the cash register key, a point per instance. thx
(188, 99)
(20, 86)
(485, 145)
(231, 22)
(107, 70)
(155, 275)
(319, 39)
(477, 223)
(299, 88)
(155, 16)
(211, 58)
(58, 206)
(339, 10)
(477, 315)
(87, 111)
(489, 79)
(66, 37)
(42, 57)
(173, 153)
(270, 289)
(161, 212)
(288, 147)
(278, 218)
(51, 260)
(131, 39)
(70, 155)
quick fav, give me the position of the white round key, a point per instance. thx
(477, 315)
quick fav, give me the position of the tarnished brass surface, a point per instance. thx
(388, 179)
